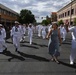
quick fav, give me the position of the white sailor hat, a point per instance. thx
(17, 22)
(1, 25)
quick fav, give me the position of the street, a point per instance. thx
(34, 59)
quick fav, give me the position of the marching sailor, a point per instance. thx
(43, 32)
(39, 27)
(63, 32)
(30, 33)
(23, 32)
(16, 33)
(73, 48)
(3, 46)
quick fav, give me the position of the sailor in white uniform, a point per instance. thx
(30, 33)
(49, 27)
(16, 33)
(23, 32)
(63, 32)
(3, 46)
(73, 48)
(43, 32)
(39, 28)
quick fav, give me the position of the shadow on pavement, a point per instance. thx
(39, 45)
(22, 45)
(9, 42)
(33, 57)
(66, 43)
(13, 56)
(68, 65)
(36, 44)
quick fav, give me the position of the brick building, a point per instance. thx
(54, 16)
(7, 16)
(67, 13)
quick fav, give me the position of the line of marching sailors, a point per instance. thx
(17, 34)
(56, 33)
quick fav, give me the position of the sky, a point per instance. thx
(40, 8)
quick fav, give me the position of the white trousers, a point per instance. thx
(22, 38)
(16, 41)
(2, 45)
(30, 38)
(43, 34)
(64, 36)
(39, 33)
(73, 51)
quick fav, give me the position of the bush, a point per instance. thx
(75, 21)
(60, 22)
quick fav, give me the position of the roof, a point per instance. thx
(74, 1)
(8, 9)
(54, 12)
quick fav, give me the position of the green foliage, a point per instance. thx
(75, 21)
(60, 22)
(44, 22)
(47, 21)
(26, 16)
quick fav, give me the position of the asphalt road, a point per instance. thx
(34, 59)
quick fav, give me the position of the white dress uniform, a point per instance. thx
(39, 27)
(16, 32)
(63, 32)
(23, 32)
(30, 34)
(73, 49)
(49, 27)
(43, 32)
(2, 39)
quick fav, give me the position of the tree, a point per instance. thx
(26, 16)
(60, 22)
(74, 21)
(47, 21)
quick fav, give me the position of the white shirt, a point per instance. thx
(43, 28)
(62, 29)
(3, 34)
(39, 27)
(23, 29)
(30, 30)
(73, 30)
(49, 27)
(17, 32)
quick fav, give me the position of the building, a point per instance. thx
(54, 16)
(67, 13)
(7, 16)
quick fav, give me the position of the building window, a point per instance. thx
(68, 13)
(72, 11)
(65, 14)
